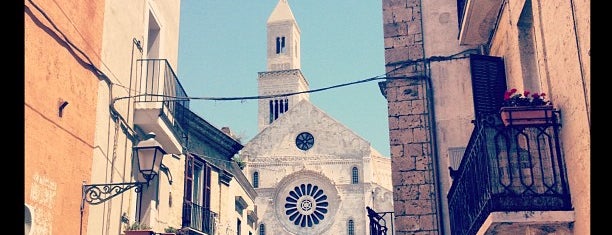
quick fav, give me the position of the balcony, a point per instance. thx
(510, 178)
(197, 219)
(161, 100)
(477, 19)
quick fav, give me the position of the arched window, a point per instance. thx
(27, 220)
(355, 176)
(350, 227)
(256, 179)
(262, 229)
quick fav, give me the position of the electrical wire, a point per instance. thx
(400, 64)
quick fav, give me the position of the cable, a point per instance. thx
(174, 98)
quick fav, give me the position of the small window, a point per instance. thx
(351, 227)
(271, 111)
(286, 105)
(27, 219)
(355, 176)
(262, 229)
(275, 109)
(280, 45)
(256, 180)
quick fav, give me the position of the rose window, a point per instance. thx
(306, 205)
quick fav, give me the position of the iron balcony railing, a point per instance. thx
(157, 83)
(198, 218)
(381, 223)
(514, 168)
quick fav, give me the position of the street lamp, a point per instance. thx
(149, 154)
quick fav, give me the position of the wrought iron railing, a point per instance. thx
(381, 223)
(514, 168)
(198, 218)
(157, 83)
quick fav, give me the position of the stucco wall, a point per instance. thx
(223, 202)
(125, 29)
(454, 111)
(58, 150)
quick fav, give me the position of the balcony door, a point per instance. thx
(196, 207)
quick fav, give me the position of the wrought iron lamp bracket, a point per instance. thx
(95, 194)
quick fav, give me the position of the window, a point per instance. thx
(304, 141)
(201, 184)
(27, 217)
(277, 107)
(280, 45)
(355, 177)
(262, 229)
(238, 225)
(256, 179)
(271, 111)
(351, 227)
(306, 205)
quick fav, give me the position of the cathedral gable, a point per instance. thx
(282, 139)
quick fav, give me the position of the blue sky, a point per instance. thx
(222, 47)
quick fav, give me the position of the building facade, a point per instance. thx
(218, 198)
(99, 79)
(449, 64)
(311, 173)
(59, 110)
(139, 52)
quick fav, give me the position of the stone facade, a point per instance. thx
(312, 174)
(424, 48)
(282, 169)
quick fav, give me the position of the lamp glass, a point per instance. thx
(150, 155)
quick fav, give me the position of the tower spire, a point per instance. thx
(283, 38)
(282, 12)
(283, 74)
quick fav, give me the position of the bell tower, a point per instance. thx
(283, 75)
(283, 39)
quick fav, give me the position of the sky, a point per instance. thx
(222, 47)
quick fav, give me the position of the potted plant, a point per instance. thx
(170, 230)
(139, 229)
(526, 108)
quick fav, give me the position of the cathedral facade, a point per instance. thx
(312, 174)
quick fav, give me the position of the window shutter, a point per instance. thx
(187, 196)
(488, 84)
(206, 194)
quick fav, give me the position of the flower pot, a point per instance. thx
(527, 115)
(139, 232)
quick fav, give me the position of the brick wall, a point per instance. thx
(409, 129)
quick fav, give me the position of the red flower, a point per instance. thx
(511, 98)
